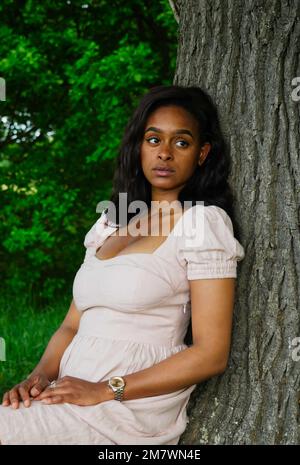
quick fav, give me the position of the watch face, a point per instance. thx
(117, 382)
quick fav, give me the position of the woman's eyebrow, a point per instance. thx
(177, 131)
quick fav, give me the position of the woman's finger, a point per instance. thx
(5, 399)
(14, 398)
(24, 393)
(37, 389)
(53, 400)
(50, 392)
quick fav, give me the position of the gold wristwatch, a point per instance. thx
(117, 384)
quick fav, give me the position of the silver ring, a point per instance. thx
(52, 384)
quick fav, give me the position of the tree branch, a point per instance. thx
(175, 4)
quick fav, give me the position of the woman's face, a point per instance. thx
(171, 140)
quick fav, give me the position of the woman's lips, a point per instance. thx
(163, 172)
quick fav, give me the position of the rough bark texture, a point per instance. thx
(245, 53)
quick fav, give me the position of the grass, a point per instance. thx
(26, 331)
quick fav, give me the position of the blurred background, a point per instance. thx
(74, 72)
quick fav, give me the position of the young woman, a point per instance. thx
(117, 371)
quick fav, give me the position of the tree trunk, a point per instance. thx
(245, 54)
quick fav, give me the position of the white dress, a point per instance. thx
(135, 313)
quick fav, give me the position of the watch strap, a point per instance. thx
(119, 394)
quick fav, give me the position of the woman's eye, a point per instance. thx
(150, 138)
(186, 143)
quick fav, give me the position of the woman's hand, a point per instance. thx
(74, 391)
(33, 386)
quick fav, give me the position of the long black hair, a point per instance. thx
(209, 182)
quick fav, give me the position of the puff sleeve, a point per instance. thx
(208, 246)
(95, 237)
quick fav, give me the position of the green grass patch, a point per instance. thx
(26, 331)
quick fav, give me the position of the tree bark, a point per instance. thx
(245, 53)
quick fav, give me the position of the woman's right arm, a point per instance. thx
(47, 368)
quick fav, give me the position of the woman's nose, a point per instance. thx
(165, 153)
(165, 156)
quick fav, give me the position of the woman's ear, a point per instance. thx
(204, 152)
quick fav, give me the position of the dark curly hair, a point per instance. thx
(209, 182)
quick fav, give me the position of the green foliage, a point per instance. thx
(74, 73)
